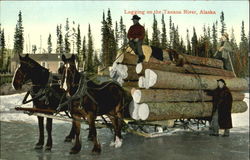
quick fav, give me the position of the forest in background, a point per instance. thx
(114, 36)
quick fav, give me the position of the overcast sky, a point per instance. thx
(41, 18)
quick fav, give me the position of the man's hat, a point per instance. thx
(222, 80)
(136, 17)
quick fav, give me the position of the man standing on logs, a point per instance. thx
(136, 34)
(223, 52)
(222, 105)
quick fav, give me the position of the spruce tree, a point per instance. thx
(194, 43)
(123, 34)
(170, 33)
(146, 39)
(112, 45)
(116, 35)
(59, 48)
(84, 53)
(214, 38)
(188, 43)
(233, 41)
(18, 36)
(66, 37)
(164, 33)
(96, 63)
(155, 36)
(105, 42)
(2, 50)
(49, 44)
(244, 49)
(90, 52)
(223, 25)
(78, 45)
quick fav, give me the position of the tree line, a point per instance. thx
(114, 36)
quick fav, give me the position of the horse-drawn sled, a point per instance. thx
(166, 90)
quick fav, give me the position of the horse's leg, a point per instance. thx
(49, 130)
(71, 135)
(118, 138)
(91, 119)
(90, 136)
(39, 144)
(116, 121)
(77, 124)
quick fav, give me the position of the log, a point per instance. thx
(170, 80)
(126, 58)
(203, 61)
(131, 84)
(168, 95)
(141, 67)
(165, 111)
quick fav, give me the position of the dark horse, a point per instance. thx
(45, 92)
(104, 99)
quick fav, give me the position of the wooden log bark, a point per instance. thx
(131, 84)
(126, 58)
(141, 67)
(167, 95)
(170, 80)
(210, 62)
(165, 111)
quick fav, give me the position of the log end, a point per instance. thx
(143, 111)
(138, 68)
(141, 82)
(133, 110)
(150, 78)
(136, 95)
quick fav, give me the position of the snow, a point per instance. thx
(8, 112)
(9, 102)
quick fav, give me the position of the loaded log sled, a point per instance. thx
(168, 85)
(166, 88)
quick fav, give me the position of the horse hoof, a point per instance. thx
(73, 152)
(68, 139)
(75, 149)
(96, 149)
(90, 138)
(39, 146)
(112, 144)
(48, 148)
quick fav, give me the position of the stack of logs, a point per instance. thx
(161, 90)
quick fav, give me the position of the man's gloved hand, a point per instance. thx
(136, 40)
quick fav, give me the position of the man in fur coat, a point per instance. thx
(222, 105)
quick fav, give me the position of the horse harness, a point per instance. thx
(44, 92)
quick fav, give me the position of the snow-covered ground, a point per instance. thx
(17, 140)
(9, 102)
(8, 112)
